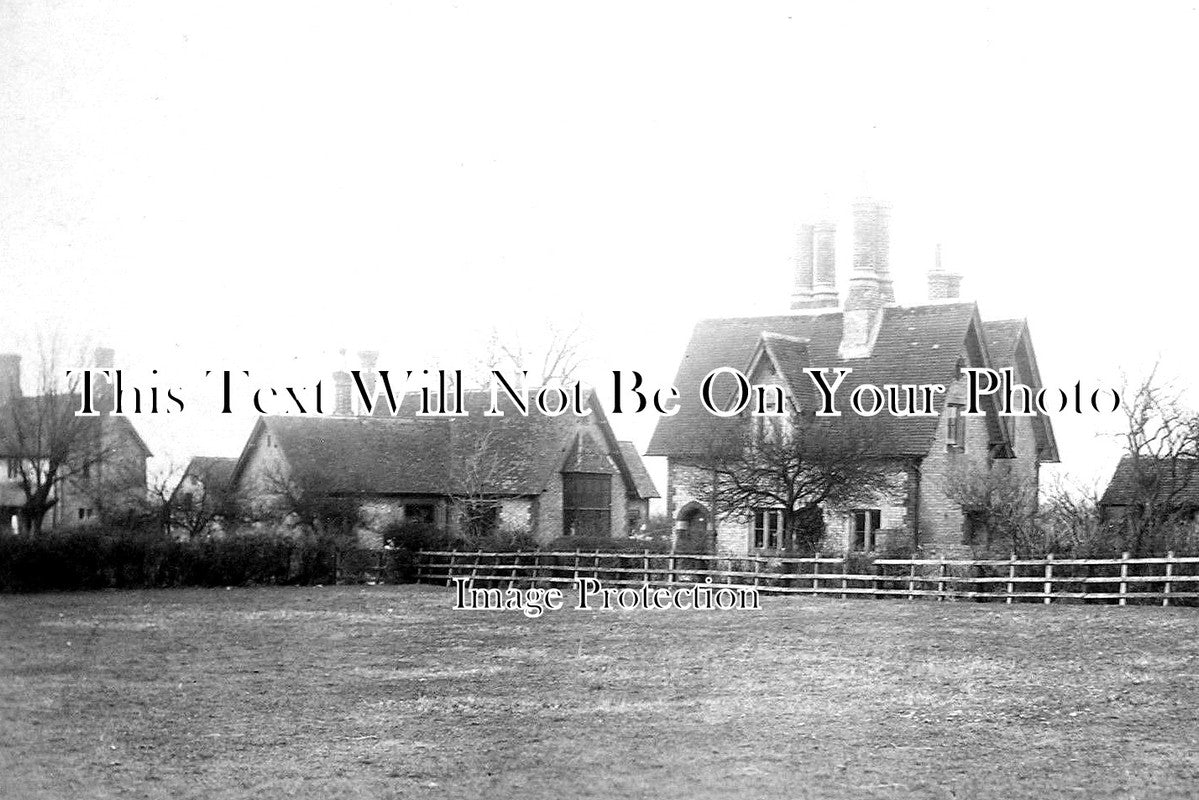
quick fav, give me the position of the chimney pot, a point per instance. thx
(943, 285)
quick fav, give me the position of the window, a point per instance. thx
(14, 468)
(955, 431)
(586, 504)
(974, 527)
(419, 513)
(866, 523)
(768, 529)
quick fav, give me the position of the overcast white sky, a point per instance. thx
(218, 184)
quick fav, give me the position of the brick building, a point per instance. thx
(883, 343)
(99, 462)
(547, 476)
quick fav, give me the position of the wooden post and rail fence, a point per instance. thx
(1119, 581)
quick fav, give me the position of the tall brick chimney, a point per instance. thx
(824, 245)
(805, 264)
(368, 361)
(10, 376)
(870, 282)
(341, 393)
(943, 285)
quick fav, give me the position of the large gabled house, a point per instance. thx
(91, 466)
(545, 476)
(883, 343)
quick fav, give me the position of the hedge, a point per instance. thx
(115, 559)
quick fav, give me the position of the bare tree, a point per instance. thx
(482, 472)
(1070, 518)
(1161, 465)
(555, 355)
(1000, 507)
(49, 447)
(312, 501)
(204, 497)
(796, 464)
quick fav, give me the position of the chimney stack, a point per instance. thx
(10, 377)
(870, 283)
(368, 360)
(824, 245)
(341, 393)
(943, 285)
(801, 293)
(103, 358)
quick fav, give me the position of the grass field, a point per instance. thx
(386, 692)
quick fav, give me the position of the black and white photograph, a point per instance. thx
(453, 399)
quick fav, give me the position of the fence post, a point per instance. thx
(645, 567)
(672, 564)
(1124, 577)
(449, 575)
(1048, 588)
(1011, 579)
(816, 575)
(1169, 575)
(912, 580)
(474, 570)
(845, 577)
(515, 561)
(941, 581)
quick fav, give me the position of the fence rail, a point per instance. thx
(1122, 581)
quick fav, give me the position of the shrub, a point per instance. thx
(404, 540)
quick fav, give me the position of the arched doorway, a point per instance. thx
(691, 529)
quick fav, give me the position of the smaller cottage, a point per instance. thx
(542, 476)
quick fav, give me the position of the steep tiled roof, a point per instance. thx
(1179, 477)
(1004, 339)
(365, 454)
(213, 470)
(1002, 336)
(63, 407)
(408, 454)
(915, 345)
(643, 484)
